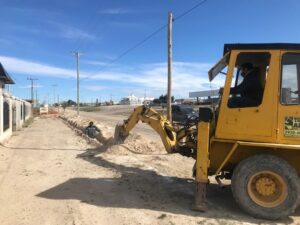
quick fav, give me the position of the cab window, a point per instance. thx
(249, 78)
(290, 79)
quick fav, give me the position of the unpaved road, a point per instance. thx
(50, 175)
(111, 115)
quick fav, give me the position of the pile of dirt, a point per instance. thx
(140, 144)
(134, 143)
(104, 136)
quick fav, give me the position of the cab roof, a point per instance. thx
(261, 46)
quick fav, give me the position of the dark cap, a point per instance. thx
(248, 66)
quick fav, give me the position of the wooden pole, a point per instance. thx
(77, 66)
(169, 95)
(77, 54)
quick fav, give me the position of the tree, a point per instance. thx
(156, 101)
(70, 102)
(163, 99)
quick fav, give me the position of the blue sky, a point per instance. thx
(38, 36)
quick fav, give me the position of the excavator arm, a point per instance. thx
(158, 122)
(183, 141)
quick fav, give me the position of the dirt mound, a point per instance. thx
(140, 144)
(134, 143)
(105, 134)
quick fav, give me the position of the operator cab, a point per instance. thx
(275, 86)
(258, 65)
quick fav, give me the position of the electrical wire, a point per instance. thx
(189, 10)
(126, 52)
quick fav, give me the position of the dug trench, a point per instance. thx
(145, 178)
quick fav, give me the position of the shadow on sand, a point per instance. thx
(43, 149)
(145, 189)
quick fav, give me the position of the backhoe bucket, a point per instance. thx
(119, 136)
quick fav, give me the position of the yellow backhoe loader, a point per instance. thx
(256, 146)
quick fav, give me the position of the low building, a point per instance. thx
(133, 100)
(13, 111)
(205, 97)
(187, 101)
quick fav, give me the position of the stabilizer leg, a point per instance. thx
(200, 197)
(202, 164)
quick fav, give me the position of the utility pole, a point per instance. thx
(169, 95)
(58, 102)
(36, 98)
(54, 86)
(32, 96)
(77, 54)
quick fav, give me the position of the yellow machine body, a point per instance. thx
(236, 137)
(241, 132)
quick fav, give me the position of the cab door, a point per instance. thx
(255, 123)
(289, 98)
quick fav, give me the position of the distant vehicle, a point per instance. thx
(180, 113)
(44, 109)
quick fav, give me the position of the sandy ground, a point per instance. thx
(51, 175)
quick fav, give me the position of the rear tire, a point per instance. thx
(266, 186)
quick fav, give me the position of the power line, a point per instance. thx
(126, 52)
(189, 10)
(131, 49)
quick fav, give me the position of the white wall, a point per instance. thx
(14, 104)
(1, 112)
(17, 104)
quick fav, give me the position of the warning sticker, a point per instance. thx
(292, 127)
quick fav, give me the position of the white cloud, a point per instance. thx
(74, 33)
(29, 86)
(187, 76)
(94, 87)
(70, 32)
(54, 30)
(116, 11)
(34, 68)
(119, 11)
(92, 62)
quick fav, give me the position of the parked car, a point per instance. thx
(180, 113)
